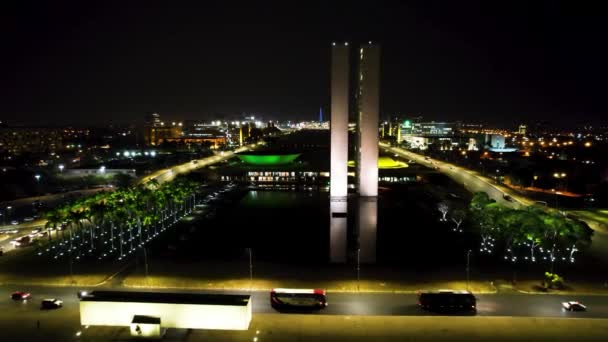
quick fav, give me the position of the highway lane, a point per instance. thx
(170, 173)
(471, 180)
(511, 304)
(474, 182)
(162, 176)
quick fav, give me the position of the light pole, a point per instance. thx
(146, 262)
(37, 176)
(358, 267)
(8, 213)
(250, 269)
(468, 268)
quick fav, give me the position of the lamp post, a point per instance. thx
(250, 269)
(358, 267)
(37, 176)
(146, 262)
(61, 167)
(8, 213)
(468, 268)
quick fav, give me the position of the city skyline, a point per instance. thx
(83, 64)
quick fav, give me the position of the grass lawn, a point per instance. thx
(578, 288)
(26, 268)
(600, 216)
(235, 275)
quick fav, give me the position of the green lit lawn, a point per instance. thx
(600, 216)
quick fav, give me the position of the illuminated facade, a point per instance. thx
(369, 107)
(339, 120)
(339, 152)
(171, 310)
(19, 140)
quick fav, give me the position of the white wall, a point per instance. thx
(185, 316)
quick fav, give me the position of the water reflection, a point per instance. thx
(337, 230)
(367, 227)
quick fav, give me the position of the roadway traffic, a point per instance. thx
(475, 182)
(168, 174)
(471, 180)
(13, 232)
(375, 304)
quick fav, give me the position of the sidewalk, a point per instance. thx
(278, 327)
(334, 278)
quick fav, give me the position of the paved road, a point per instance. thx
(169, 174)
(474, 182)
(522, 305)
(25, 321)
(161, 176)
(471, 180)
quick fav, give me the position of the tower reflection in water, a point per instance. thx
(364, 231)
(367, 227)
(337, 230)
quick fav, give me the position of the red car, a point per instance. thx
(20, 295)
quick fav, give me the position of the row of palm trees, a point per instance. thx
(115, 224)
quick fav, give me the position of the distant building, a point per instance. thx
(156, 131)
(522, 129)
(421, 135)
(71, 173)
(495, 141)
(432, 128)
(152, 120)
(28, 139)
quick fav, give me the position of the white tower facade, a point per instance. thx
(369, 107)
(339, 121)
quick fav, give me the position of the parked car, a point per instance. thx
(19, 295)
(574, 306)
(507, 198)
(14, 222)
(28, 219)
(51, 303)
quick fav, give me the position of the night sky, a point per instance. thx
(499, 62)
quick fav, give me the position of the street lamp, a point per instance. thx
(358, 267)
(61, 167)
(250, 269)
(37, 176)
(468, 268)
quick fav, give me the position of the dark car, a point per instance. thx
(20, 295)
(508, 198)
(51, 303)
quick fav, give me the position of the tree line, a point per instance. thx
(531, 234)
(115, 224)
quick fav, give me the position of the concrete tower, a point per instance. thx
(339, 121)
(369, 107)
(339, 153)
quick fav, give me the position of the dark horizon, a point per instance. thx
(473, 62)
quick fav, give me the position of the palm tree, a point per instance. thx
(53, 219)
(121, 216)
(76, 218)
(99, 214)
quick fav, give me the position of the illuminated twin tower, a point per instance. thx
(366, 102)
